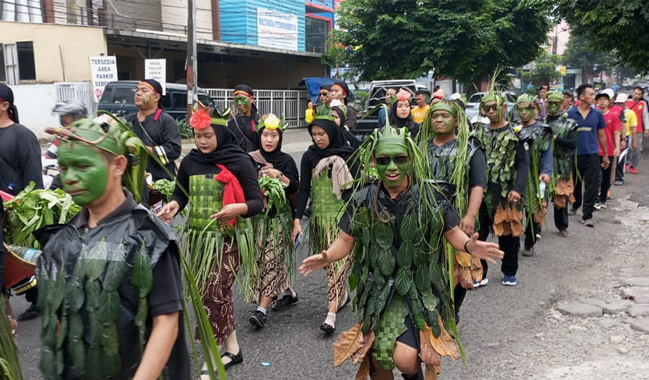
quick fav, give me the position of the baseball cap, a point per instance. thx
(608, 93)
(621, 98)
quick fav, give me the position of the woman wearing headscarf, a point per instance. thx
(279, 181)
(340, 91)
(219, 180)
(325, 174)
(340, 118)
(400, 116)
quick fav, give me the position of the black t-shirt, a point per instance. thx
(478, 170)
(20, 159)
(163, 135)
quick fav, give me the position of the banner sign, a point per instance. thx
(276, 29)
(103, 70)
(156, 69)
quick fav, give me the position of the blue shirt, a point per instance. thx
(587, 130)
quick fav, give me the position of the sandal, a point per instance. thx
(327, 328)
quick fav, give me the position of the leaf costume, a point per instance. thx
(399, 269)
(563, 149)
(101, 287)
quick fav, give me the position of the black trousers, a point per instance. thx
(561, 218)
(589, 173)
(606, 180)
(531, 231)
(510, 245)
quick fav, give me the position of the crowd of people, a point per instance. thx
(400, 219)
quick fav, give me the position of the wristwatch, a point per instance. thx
(466, 246)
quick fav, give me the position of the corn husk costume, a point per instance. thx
(450, 163)
(331, 174)
(500, 147)
(399, 269)
(94, 283)
(275, 250)
(564, 157)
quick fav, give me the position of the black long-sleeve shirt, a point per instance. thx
(244, 171)
(20, 159)
(245, 128)
(569, 141)
(163, 136)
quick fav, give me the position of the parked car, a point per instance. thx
(368, 122)
(120, 96)
(473, 105)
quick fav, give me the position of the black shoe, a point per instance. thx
(234, 359)
(285, 302)
(528, 252)
(32, 312)
(418, 376)
(327, 328)
(257, 319)
(347, 301)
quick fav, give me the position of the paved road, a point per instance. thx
(498, 322)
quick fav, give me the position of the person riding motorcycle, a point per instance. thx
(69, 112)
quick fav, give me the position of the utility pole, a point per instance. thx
(192, 64)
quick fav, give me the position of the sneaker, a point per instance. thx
(528, 252)
(257, 319)
(564, 233)
(573, 210)
(538, 237)
(484, 282)
(618, 183)
(32, 312)
(509, 280)
(598, 206)
(634, 170)
(602, 205)
(588, 222)
(627, 167)
(285, 302)
(476, 284)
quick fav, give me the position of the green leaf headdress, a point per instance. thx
(494, 92)
(117, 139)
(527, 98)
(555, 96)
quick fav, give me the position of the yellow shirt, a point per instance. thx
(631, 121)
(419, 114)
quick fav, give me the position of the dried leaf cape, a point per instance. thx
(399, 269)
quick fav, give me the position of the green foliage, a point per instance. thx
(612, 26)
(463, 39)
(545, 69)
(186, 131)
(582, 55)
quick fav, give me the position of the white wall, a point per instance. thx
(35, 103)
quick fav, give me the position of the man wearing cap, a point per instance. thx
(567, 101)
(590, 132)
(325, 95)
(20, 164)
(244, 124)
(340, 91)
(628, 140)
(612, 130)
(537, 134)
(383, 115)
(156, 129)
(68, 112)
(419, 112)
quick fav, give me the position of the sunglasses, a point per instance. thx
(399, 160)
(493, 107)
(324, 94)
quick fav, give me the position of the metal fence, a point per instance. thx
(80, 91)
(288, 104)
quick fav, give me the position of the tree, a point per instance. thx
(580, 55)
(462, 39)
(545, 70)
(618, 26)
(334, 56)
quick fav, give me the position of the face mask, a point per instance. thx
(84, 173)
(392, 164)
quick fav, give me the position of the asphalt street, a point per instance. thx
(497, 321)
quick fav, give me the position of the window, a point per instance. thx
(3, 75)
(180, 100)
(317, 32)
(26, 67)
(165, 101)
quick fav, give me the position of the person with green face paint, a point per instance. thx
(245, 123)
(538, 136)
(458, 159)
(117, 253)
(395, 227)
(507, 171)
(564, 137)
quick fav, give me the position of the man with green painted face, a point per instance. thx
(564, 135)
(244, 124)
(458, 159)
(122, 258)
(537, 135)
(395, 227)
(508, 163)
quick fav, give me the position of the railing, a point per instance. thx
(80, 91)
(289, 104)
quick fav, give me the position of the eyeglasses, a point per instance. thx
(324, 94)
(399, 160)
(493, 107)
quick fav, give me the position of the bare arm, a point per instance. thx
(338, 250)
(481, 249)
(158, 348)
(616, 136)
